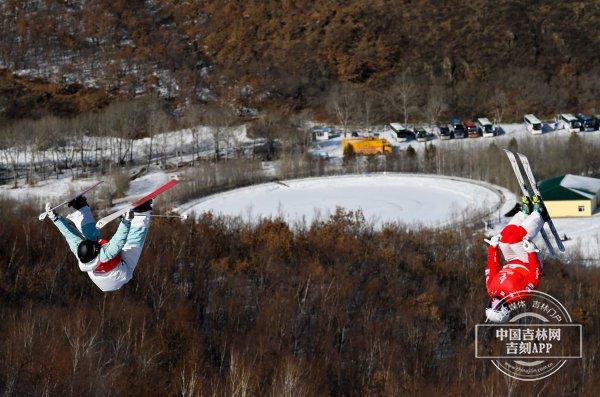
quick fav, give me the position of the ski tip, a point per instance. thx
(42, 216)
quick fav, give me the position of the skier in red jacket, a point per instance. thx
(523, 269)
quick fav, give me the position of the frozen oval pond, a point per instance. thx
(411, 199)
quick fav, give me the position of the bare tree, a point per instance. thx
(436, 103)
(401, 93)
(343, 102)
(368, 102)
(499, 102)
(158, 122)
(219, 118)
(192, 117)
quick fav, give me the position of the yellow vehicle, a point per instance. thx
(367, 146)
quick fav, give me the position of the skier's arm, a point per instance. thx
(116, 243)
(534, 267)
(70, 233)
(493, 263)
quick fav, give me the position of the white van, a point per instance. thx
(533, 124)
(485, 128)
(567, 121)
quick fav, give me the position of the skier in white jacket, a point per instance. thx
(109, 264)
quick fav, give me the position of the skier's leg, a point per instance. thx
(135, 240)
(85, 223)
(518, 218)
(513, 231)
(533, 224)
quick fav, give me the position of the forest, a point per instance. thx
(64, 58)
(220, 307)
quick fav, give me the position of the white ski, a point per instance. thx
(515, 165)
(533, 183)
(109, 218)
(44, 214)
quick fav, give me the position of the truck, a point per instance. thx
(367, 146)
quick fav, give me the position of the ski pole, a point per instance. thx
(168, 216)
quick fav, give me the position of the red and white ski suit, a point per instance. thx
(523, 270)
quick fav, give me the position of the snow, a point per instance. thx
(579, 183)
(147, 183)
(49, 190)
(417, 200)
(583, 234)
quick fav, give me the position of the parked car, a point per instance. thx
(485, 128)
(457, 128)
(421, 134)
(471, 129)
(322, 133)
(445, 132)
(403, 134)
(588, 123)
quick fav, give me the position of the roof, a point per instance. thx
(570, 187)
(532, 118)
(484, 121)
(397, 127)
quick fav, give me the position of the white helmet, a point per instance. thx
(497, 312)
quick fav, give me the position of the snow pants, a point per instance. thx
(521, 226)
(130, 255)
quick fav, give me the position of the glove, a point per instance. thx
(494, 241)
(529, 246)
(129, 215)
(51, 214)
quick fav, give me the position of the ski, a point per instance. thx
(109, 218)
(44, 214)
(533, 183)
(525, 191)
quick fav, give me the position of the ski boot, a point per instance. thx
(526, 205)
(538, 206)
(144, 207)
(78, 202)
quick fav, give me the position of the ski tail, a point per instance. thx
(534, 187)
(111, 217)
(525, 191)
(44, 214)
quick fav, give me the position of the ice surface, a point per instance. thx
(411, 199)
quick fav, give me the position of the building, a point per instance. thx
(570, 195)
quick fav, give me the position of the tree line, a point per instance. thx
(218, 306)
(488, 57)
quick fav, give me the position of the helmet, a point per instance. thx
(88, 250)
(497, 312)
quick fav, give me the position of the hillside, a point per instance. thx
(540, 56)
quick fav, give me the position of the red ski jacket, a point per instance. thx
(515, 276)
